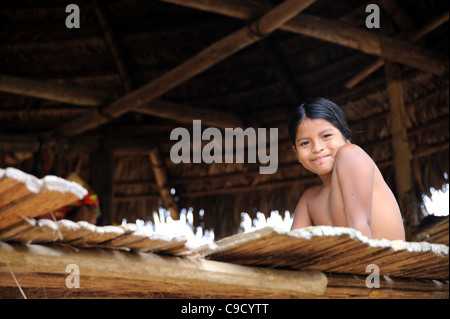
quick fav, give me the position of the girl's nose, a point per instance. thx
(317, 147)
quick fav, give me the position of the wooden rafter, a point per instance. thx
(112, 41)
(95, 98)
(193, 66)
(332, 31)
(414, 37)
(54, 91)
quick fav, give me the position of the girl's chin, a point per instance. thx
(323, 170)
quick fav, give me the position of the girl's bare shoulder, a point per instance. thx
(353, 153)
(349, 149)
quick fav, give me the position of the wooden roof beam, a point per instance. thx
(193, 66)
(332, 31)
(111, 39)
(413, 37)
(54, 91)
(32, 143)
(95, 98)
(402, 20)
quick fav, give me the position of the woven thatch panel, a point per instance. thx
(83, 234)
(332, 249)
(24, 196)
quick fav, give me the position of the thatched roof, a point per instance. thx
(67, 95)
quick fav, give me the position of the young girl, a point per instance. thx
(353, 192)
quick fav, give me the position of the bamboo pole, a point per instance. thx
(193, 66)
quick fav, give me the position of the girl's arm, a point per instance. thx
(301, 217)
(355, 171)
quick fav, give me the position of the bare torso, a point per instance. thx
(325, 206)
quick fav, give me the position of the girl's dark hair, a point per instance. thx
(319, 108)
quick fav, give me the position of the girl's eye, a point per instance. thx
(326, 136)
(304, 143)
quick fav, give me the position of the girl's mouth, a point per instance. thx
(320, 159)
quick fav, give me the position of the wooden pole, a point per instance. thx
(162, 182)
(402, 157)
(193, 66)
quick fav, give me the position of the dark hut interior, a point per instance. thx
(101, 98)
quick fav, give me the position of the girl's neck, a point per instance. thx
(326, 179)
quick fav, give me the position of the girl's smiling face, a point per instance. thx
(316, 144)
